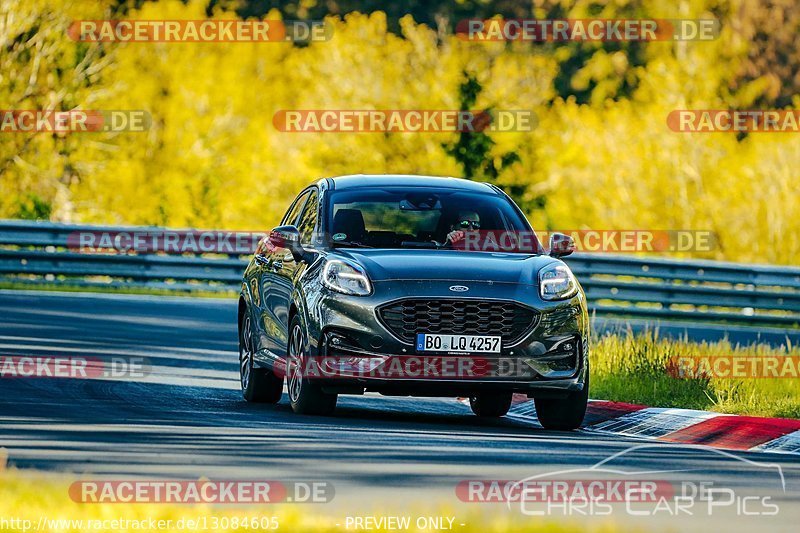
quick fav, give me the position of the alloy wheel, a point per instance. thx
(245, 354)
(294, 370)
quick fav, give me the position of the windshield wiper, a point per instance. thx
(419, 244)
(352, 244)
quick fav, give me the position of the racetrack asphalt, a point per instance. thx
(188, 420)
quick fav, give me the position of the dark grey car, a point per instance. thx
(411, 285)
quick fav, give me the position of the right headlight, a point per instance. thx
(556, 282)
(345, 277)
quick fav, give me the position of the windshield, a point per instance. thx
(423, 218)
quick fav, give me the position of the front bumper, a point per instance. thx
(358, 352)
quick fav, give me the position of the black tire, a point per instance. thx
(491, 404)
(306, 397)
(563, 414)
(259, 385)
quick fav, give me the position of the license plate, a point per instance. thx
(427, 342)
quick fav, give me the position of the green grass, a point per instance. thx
(635, 368)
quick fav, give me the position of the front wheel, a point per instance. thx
(259, 385)
(305, 396)
(491, 405)
(563, 414)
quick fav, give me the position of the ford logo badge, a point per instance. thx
(459, 288)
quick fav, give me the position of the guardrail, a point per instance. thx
(36, 253)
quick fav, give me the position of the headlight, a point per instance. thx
(556, 282)
(347, 278)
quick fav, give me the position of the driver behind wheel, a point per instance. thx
(466, 221)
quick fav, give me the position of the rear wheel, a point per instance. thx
(563, 414)
(491, 405)
(259, 385)
(305, 396)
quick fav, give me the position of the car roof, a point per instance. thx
(388, 180)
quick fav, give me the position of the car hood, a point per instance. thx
(455, 265)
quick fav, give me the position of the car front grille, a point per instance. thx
(510, 320)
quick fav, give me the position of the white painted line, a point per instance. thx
(653, 423)
(789, 443)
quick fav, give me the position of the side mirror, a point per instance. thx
(287, 237)
(561, 245)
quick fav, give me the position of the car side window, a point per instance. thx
(291, 215)
(308, 219)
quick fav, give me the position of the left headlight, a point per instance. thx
(556, 282)
(347, 278)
